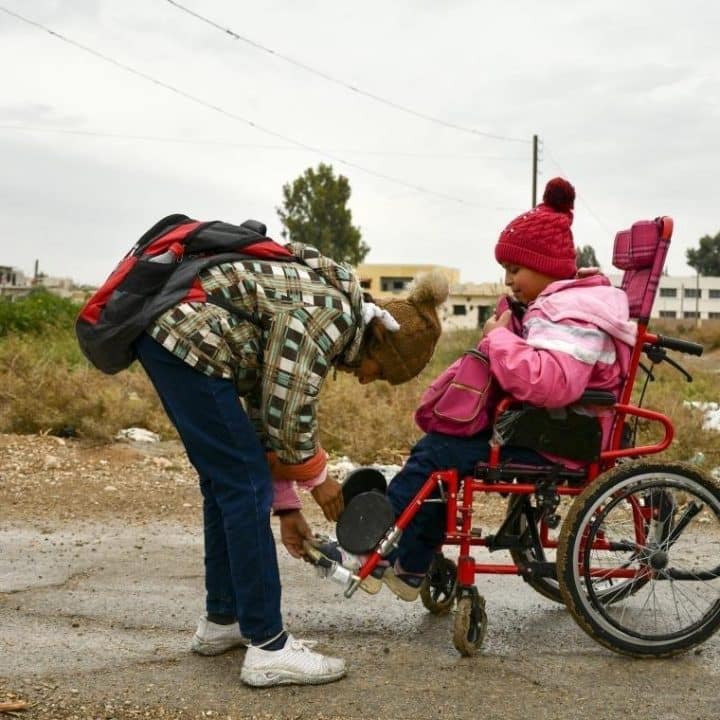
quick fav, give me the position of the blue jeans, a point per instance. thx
(439, 452)
(241, 571)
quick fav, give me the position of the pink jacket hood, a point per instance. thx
(589, 299)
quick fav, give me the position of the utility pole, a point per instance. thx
(534, 170)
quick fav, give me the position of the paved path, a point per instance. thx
(96, 621)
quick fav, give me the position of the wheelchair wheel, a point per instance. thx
(470, 623)
(639, 559)
(438, 593)
(534, 552)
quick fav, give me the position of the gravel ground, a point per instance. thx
(101, 585)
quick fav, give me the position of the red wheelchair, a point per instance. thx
(636, 559)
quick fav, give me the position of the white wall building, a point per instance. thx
(13, 282)
(469, 305)
(685, 297)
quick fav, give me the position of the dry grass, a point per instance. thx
(46, 386)
(708, 334)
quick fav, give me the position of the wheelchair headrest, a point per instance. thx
(635, 249)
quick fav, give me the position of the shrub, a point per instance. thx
(37, 313)
(46, 386)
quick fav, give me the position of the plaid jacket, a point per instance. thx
(307, 318)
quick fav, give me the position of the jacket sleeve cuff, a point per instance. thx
(314, 482)
(301, 472)
(285, 496)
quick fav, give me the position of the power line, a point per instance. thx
(342, 83)
(229, 144)
(582, 200)
(239, 118)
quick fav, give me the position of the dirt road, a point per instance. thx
(101, 586)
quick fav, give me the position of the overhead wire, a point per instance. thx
(239, 118)
(581, 198)
(230, 144)
(353, 88)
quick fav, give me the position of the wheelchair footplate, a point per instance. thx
(364, 534)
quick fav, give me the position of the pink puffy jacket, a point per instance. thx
(577, 335)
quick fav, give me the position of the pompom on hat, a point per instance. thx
(541, 239)
(404, 353)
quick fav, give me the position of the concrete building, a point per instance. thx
(62, 286)
(468, 305)
(386, 280)
(685, 297)
(13, 282)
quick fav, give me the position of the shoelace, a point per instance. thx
(303, 645)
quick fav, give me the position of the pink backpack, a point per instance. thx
(462, 399)
(459, 401)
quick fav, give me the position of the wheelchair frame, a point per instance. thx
(646, 502)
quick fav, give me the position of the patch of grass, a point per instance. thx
(39, 312)
(46, 385)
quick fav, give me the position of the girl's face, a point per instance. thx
(524, 283)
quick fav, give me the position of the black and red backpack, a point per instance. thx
(160, 271)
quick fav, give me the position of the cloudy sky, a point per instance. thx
(180, 116)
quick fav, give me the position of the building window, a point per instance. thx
(366, 284)
(714, 316)
(459, 310)
(668, 292)
(693, 292)
(668, 314)
(714, 294)
(394, 284)
(691, 314)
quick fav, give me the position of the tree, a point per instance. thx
(314, 212)
(705, 260)
(586, 257)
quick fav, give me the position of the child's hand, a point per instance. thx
(293, 530)
(493, 323)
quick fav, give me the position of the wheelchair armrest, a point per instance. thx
(596, 397)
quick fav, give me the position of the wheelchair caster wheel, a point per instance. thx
(470, 623)
(438, 593)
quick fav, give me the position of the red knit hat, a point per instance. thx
(541, 239)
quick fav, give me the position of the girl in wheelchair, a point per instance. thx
(575, 333)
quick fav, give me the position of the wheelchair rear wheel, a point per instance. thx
(438, 593)
(639, 559)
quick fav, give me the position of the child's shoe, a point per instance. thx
(321, 548)
(405, 585)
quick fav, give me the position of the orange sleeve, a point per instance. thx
(301, 472)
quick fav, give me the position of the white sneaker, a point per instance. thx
(295, 664)
(213, 639)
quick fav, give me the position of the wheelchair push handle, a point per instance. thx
(683, 346)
